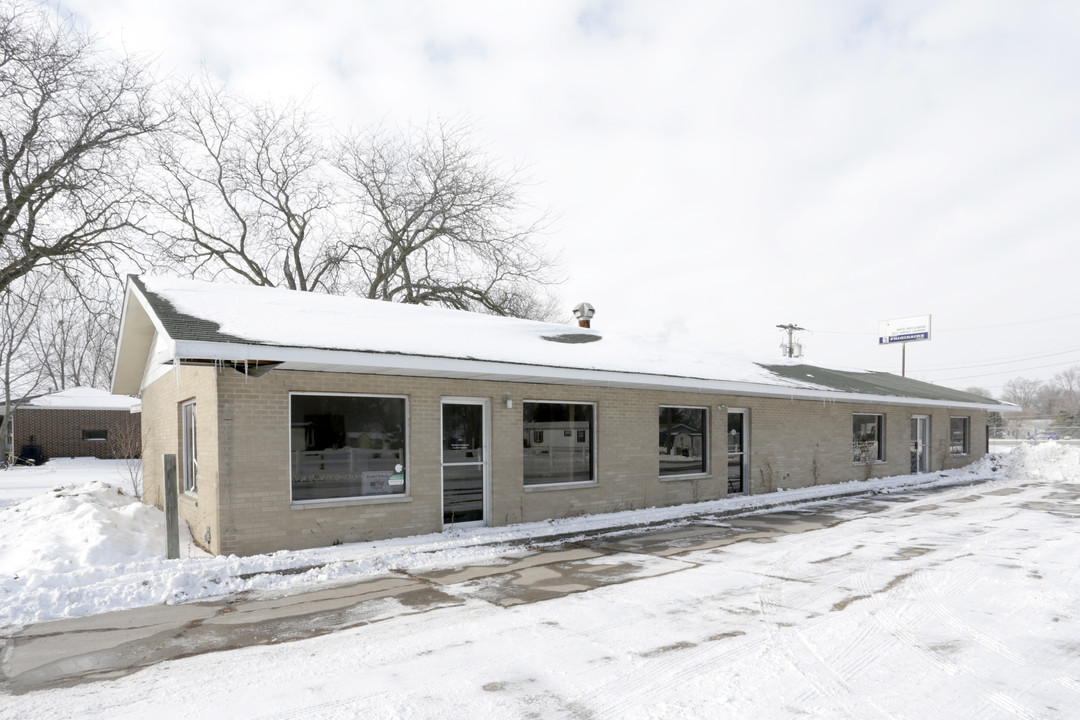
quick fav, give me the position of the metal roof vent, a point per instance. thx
(584, 313)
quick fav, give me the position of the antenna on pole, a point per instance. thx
(791, 348)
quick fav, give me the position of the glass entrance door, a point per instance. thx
(920, 444)
(465, 474)
(737, 452)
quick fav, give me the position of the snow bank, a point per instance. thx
(82, 548)
(1050, 461)
(79, 526)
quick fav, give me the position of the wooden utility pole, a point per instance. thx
(790, 347)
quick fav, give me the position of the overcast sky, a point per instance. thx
(718, 168)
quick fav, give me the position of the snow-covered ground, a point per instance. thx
(962, 603)
(80, 543)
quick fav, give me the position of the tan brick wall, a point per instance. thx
(249, 424)
(59, 432)
(788, 437)
(161, 403)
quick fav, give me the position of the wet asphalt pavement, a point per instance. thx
(68, 652)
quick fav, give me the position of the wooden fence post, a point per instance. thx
(172, 513)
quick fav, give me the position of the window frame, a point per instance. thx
(966, 449)
(856, 459)
(404, 496)
(93, 436)
(706, 438)
(592, 433)
(189, 447)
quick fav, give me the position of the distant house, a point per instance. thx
(77, 422)
(301, 419)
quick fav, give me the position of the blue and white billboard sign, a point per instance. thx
(904, 330)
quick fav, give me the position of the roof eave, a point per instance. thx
(349, 361)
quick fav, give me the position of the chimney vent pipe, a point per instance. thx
(584, 313)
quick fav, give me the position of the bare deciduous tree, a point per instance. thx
(1068, 381)
(1047, 400)
(20, 375)
(1021, 391)
(247, 191)
(437, 223)
(250, 191)
(69, 117)
(127, 448)
(74, 336)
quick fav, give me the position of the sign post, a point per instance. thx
(172, 511)
(903, 331)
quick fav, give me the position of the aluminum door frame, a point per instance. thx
(922, 442)
(745, 452)
(485, 403)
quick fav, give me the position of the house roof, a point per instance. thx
(167, 321)
(82, 398)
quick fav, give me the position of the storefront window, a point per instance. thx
(558, 442)
(347, 446)
(959, 437)
(868, 437)
(683, 443)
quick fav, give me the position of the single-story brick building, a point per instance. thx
(77, 422)
(302, 420)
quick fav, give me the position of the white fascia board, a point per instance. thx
(348, 361)
(159, 360)
(132, 352)
(120, 334)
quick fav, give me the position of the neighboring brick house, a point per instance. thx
(78, 422)
(300, 420)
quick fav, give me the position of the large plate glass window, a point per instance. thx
(347, 446)
(868, 437)
(683, 443)
(558, 442)
(189, 462)
(959, 436)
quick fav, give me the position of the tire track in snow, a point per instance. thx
(1013, 707)
(677, 664)
(929, 595)
(1069, 684)
(672, 666)
(855, 654)
(923, 600)
(890, 620)
(932, 590)
(350, 707)
(826, 681)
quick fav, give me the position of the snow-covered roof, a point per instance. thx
(181, 320)
(83, 398)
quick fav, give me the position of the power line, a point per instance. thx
(1037, 367)
(939, 329)
(1019, 358)
(1016, 324)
